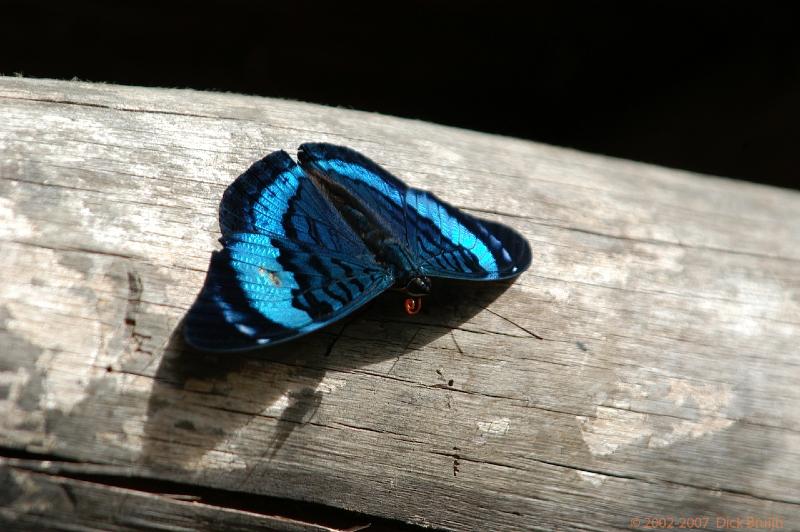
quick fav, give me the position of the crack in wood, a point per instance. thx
(73, 483)
(114, 108)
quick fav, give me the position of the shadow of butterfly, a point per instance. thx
(306, 244)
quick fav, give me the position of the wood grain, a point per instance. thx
(667, 303)
(33, 500)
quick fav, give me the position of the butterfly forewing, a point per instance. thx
(290, 263)
(275, 197)
(376, 189)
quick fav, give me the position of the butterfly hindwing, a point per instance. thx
(450, 243)
(444, 241)
(289, 265)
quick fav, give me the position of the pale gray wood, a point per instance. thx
(668, 303)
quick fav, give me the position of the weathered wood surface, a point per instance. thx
(47, 501)
(664, 385)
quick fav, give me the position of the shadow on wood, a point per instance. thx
(288, 378)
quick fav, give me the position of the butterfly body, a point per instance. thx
(305, 245)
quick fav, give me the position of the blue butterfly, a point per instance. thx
(305, 245)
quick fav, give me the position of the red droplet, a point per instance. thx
(413, 305)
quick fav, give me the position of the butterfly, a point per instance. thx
(304, 245)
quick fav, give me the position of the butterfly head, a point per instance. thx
(418, 286)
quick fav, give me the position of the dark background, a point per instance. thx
(705, 86)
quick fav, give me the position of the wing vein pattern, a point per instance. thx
(292, 263)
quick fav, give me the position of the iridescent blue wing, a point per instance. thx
(444, 241)
(289, 263)
(263, 290)
(450, 243)
(379, 191)
(275, 197)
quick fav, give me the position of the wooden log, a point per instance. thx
(645, 367)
